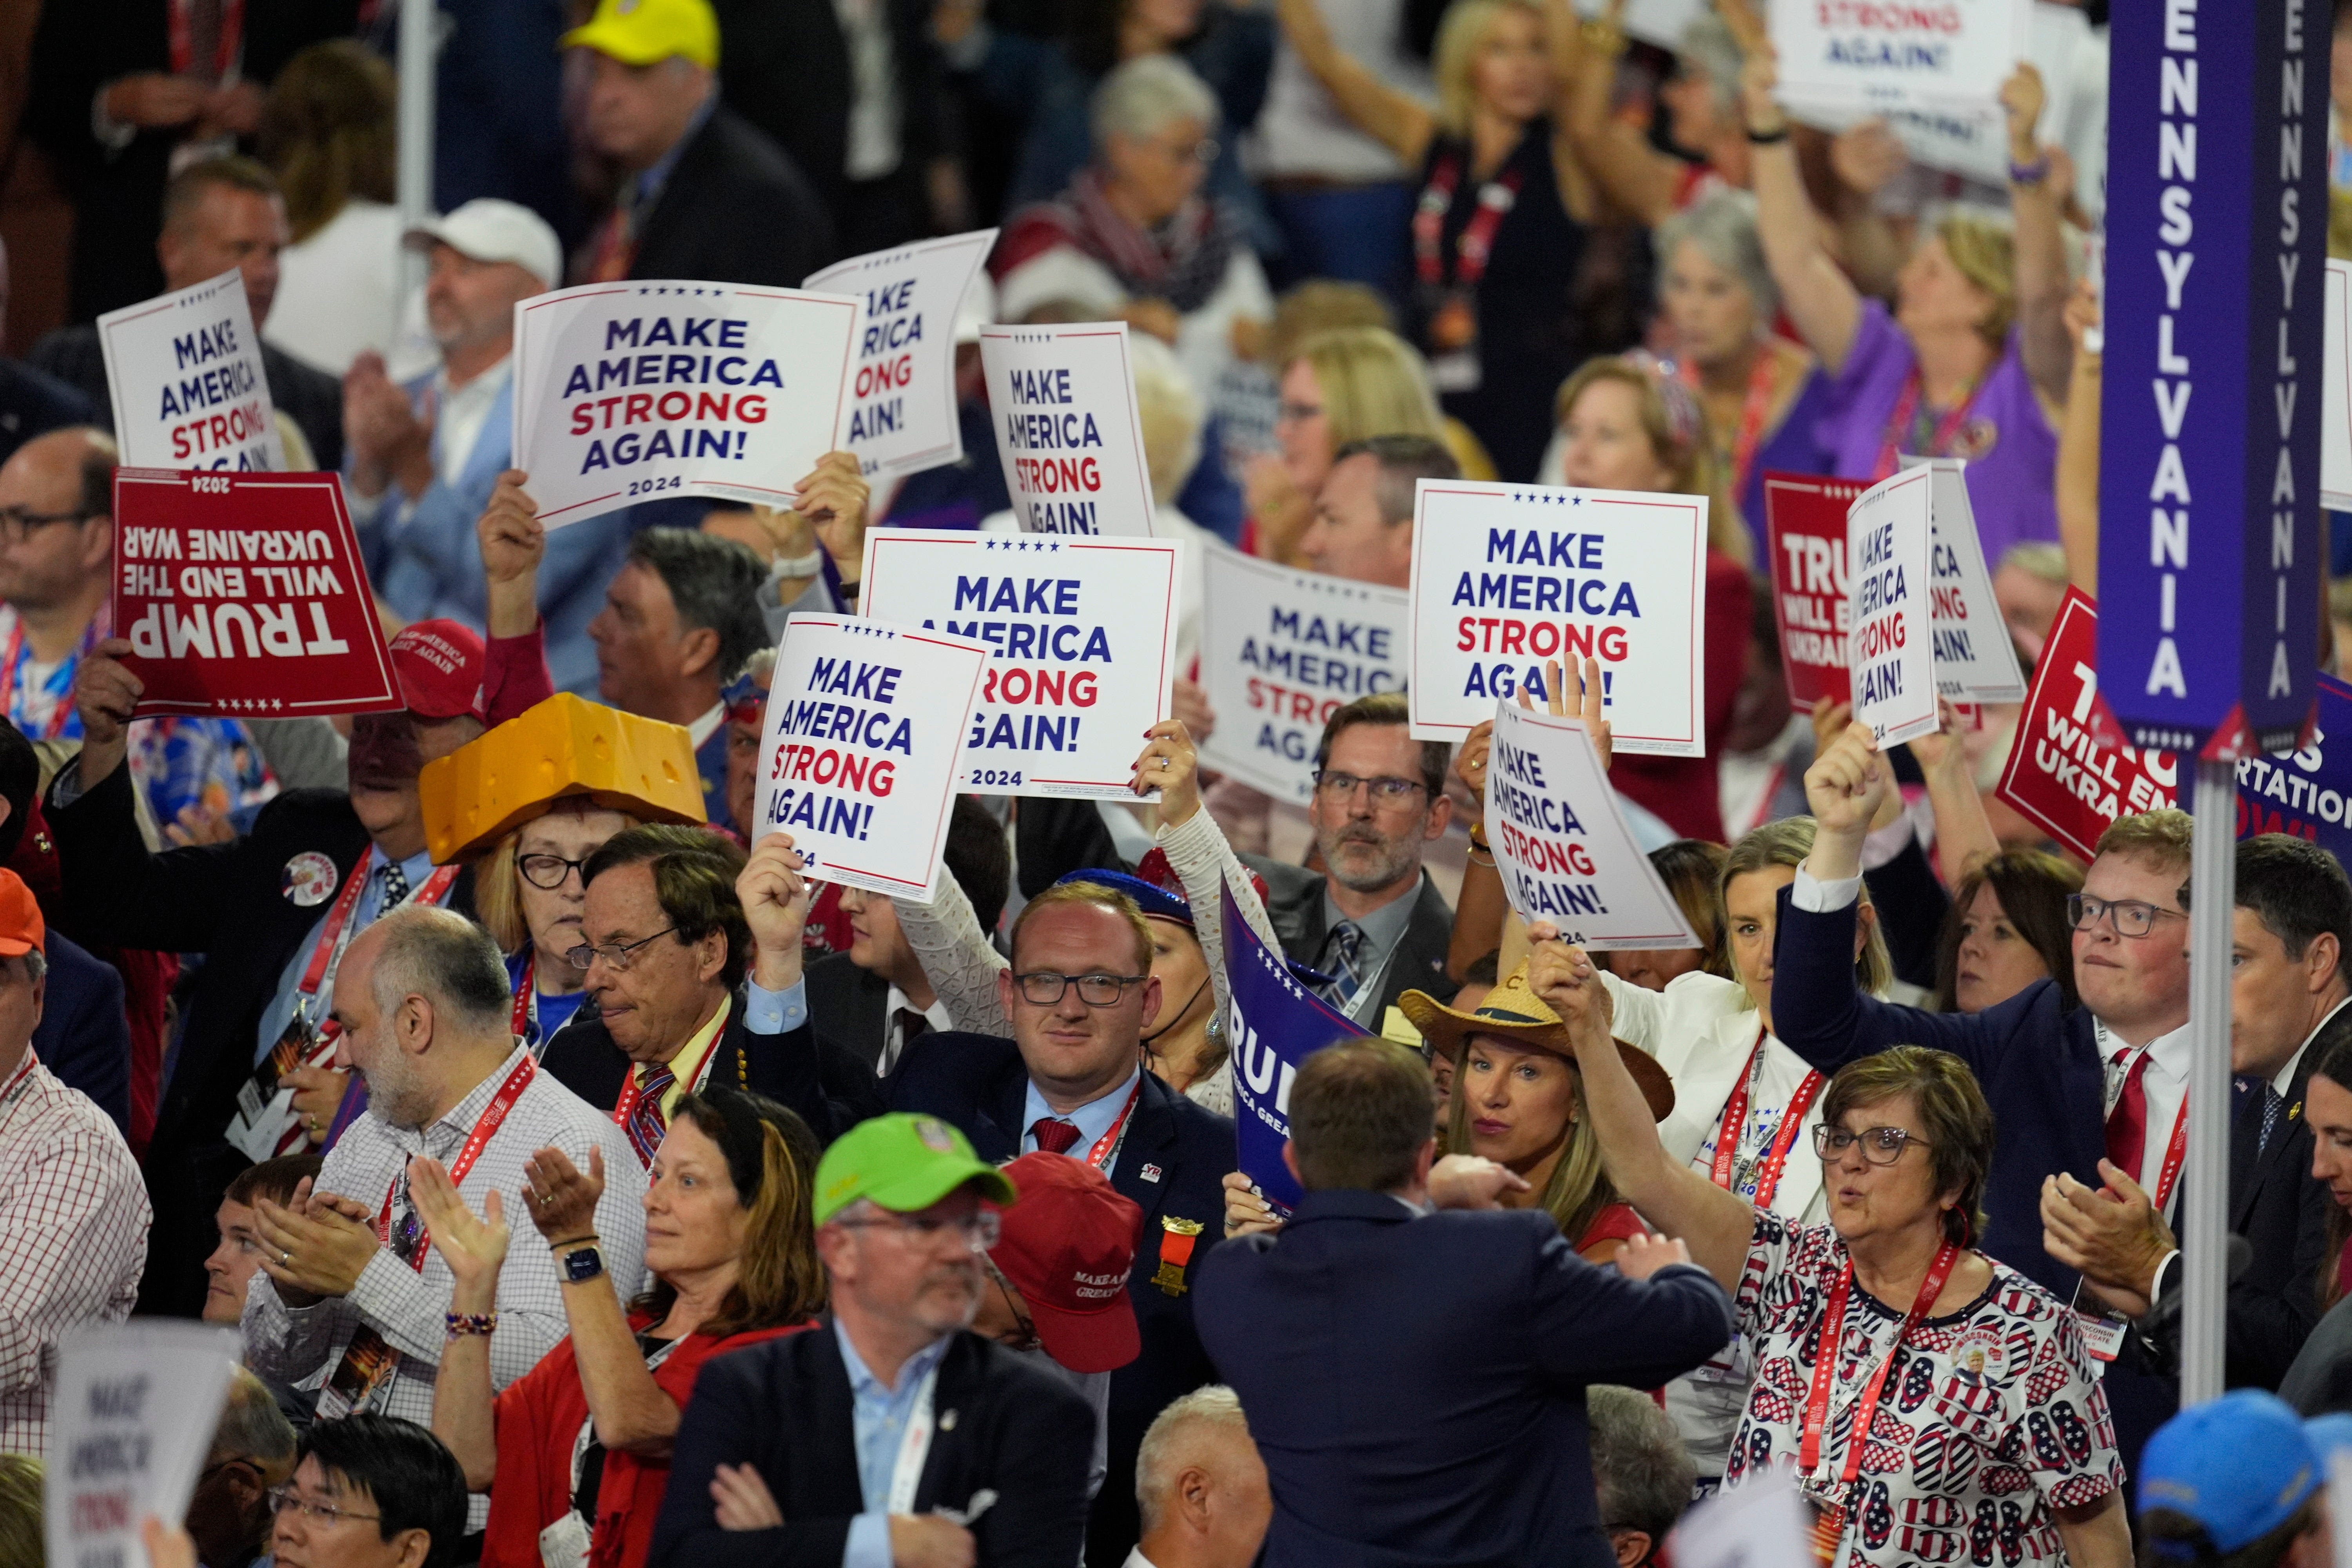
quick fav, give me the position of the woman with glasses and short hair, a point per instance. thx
(578, 1446)
(1986, 1425)
(529, 896)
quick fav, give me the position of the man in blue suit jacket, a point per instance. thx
(424, 457)
(1415, 1381)
(2051, 1076)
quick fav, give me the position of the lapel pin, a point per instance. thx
(1151, 1172)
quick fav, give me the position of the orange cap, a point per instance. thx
(21, 927)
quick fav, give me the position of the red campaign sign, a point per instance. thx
(1805, 520)
(2069, 771)
(243, 593)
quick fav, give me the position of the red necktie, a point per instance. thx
(1054, 1135)
(2128, 1123)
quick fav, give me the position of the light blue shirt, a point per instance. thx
(767, 1012)
(274, 1018)
(1093, 1119)
(879, 1416)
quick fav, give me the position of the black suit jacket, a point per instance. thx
(849, 1007)
(830, 1089)
(311, 398)
(119, 196)
(84, 1036)
(783, 1407)
(229, 902)
(1173, 1164)
(1294, 903)
(1416, 1384)
(734, 210)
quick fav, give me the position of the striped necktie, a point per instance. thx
(645, 1125)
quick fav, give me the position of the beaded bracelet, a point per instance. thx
(464, 1323)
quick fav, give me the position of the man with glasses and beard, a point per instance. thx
(890, 1434)
(1370, 922)
(354, 1288)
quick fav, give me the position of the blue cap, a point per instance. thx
(2328, 1435)
(1151, 898)
(2239, 1466)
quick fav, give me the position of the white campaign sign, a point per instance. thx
(1280, 650)
(1064, 401)
(627, 391)
(1761, 1523)
(1975, 660)
(131, 1424)
(1081, 635)
(902, 414)
(1507, 576)
(2336, 399)
(1898, 54)
(858, 759)
(1562, 847)
(1888, 650)
(183, 371)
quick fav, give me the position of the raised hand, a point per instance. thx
(475, 1249)
(563, 1198)
(1169, 763)
(1846, 786)
(105, 693)
(775, 895)
(513, 543)
(833, 497)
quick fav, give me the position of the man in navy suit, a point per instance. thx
(1080, 995)
(2067, 1088)
(1415, 1379)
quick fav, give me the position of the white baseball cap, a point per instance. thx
(488, 230)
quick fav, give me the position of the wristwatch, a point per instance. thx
(582, 1264)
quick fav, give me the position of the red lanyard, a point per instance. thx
(1898, 427)
(493, 1114)
(1476, 245)
(1731, 1133)
(224, 47)
(1825, 1360)
(1107, 1146)
(526, 1001)
(1753, 410)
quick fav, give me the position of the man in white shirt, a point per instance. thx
(1202, 1486)
(424, 457)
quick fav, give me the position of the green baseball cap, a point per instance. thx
(903, 1162)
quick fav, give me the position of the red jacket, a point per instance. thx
(539, 1419)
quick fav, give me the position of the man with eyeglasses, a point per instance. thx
(958, 1452)
(2101, 1089)
(1371, 921)
(663, 951)
(370, 1492)
(1070, 1082)
(351, 1288)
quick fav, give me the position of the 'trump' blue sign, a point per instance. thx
(2209, 474)
(1276, 1024)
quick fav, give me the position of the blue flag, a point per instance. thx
(1276, 1024)
(2307, 793)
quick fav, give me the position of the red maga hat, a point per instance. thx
(1067, 1247)
(440, 667)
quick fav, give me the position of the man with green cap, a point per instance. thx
(704, 194)
(890, 1436)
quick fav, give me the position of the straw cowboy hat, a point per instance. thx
(1513, 1012)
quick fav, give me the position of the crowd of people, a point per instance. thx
(595, 1185)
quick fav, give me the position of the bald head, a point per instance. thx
(57, 530)
(423, 1002)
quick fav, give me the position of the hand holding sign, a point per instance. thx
(513, 543)
(106, 694)
(775, 896)
(834, 497)
(1845, 787)
(1171, 765)
(1590, 694)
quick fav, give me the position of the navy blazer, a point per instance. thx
(1416, 1385)
(1173, 1164)
(783, 1407)
(84, 1037)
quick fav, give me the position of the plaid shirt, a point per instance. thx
(408, 1306)
(73, 1239)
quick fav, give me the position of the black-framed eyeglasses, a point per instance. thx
(616, 954)
(16, 522)
(547, 871)
(980, 1229)
(1044, 987)
(1029, 1339)
(285, 1500)
(2131, 917)
(1388, 789)
(1880, 1145)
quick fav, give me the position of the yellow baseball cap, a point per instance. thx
(647, 32)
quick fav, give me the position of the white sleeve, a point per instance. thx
(957, 959)
(1210, 871)
(1820, 898)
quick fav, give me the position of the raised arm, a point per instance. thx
(1633, 174)
(957, 958)
(1380, 111)
(1818, 297)
(2078, 445)
(465, 1400)
(1480, 908)
(1964, 834)
(1197, 851)
(1714, 1223)
(2038, 247)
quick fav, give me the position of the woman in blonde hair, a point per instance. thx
(1627, 425)
(529, 896)
(1974, 361)
(1503, 305)
(328, 132)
